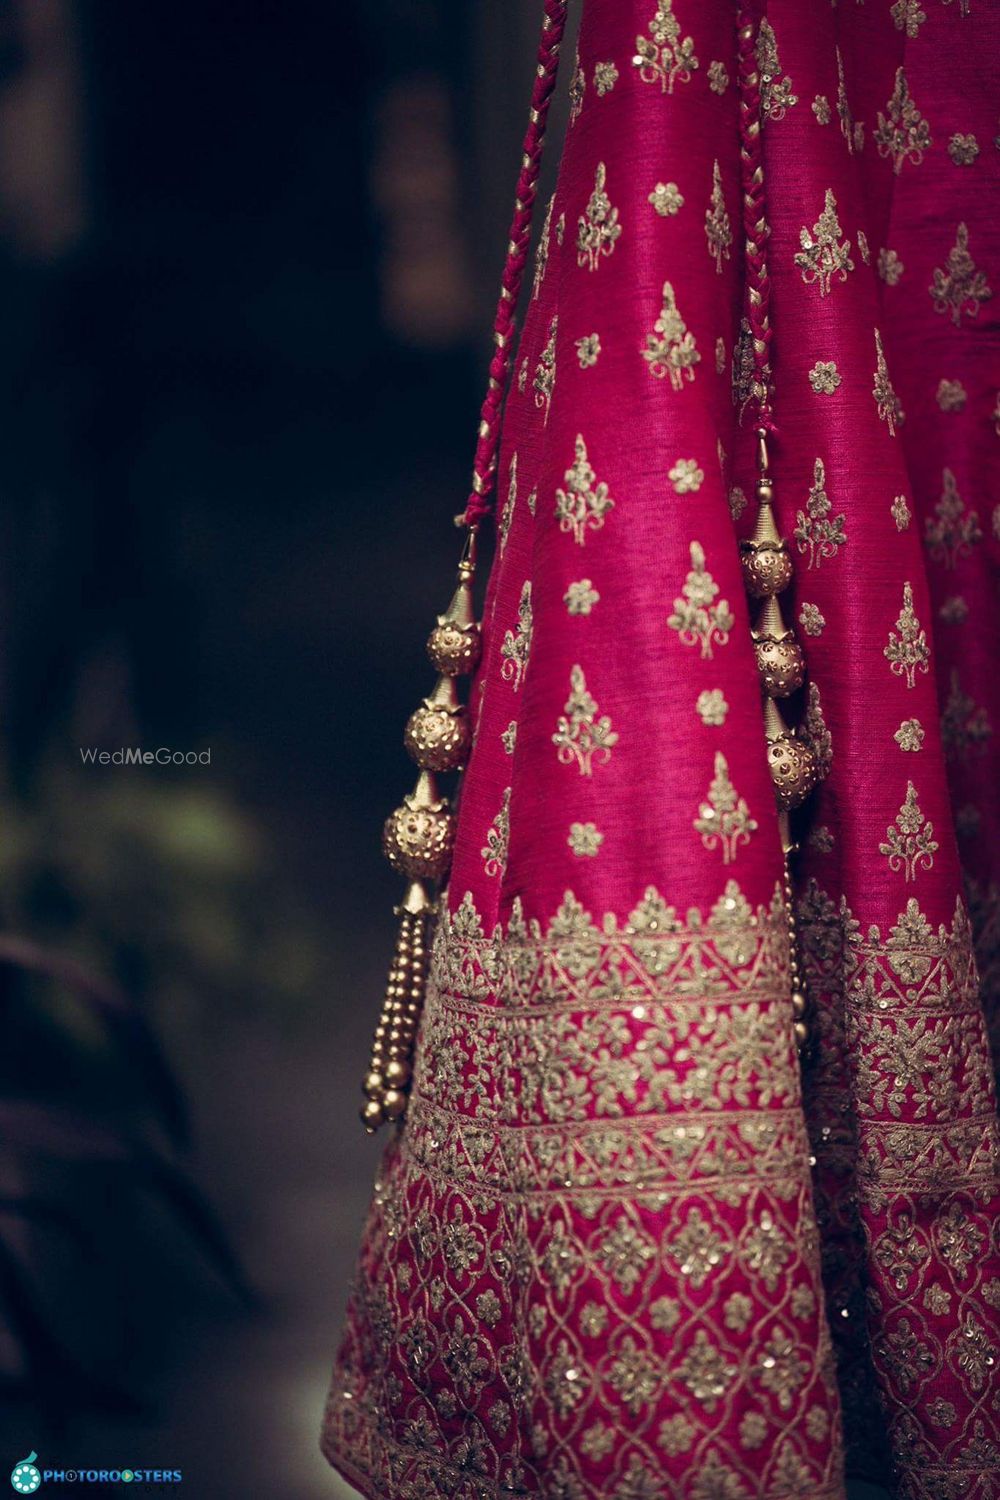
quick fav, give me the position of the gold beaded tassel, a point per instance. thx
(767, 572)
(417, 841)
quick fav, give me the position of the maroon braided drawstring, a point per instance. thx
(755, 224)
(485, 463)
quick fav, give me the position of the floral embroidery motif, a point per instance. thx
(890, 267)
(696, 616)
(724, 819)
(712, 707)
(516, 646)
(909, 843)
(811, 620)
(584, 503)
(584, 840)
(718, 78)
(821, 109)
(718, 230)
(817, 535)
(951, 395)
(582, 736)
(908, 652)
(686, 477)
(954, 534)
(886, 401)
(507, 514)
(588, 349)
(908, 16)
(903, 134)
(605, 77)
(954, 611)
(853, 134)
(737, 501)
(821, 839)
(667, 58)
(545, 373)
(542, 252)
(824, 377)
(963, 149)
(670, 348)
(509, 737)
(910, 735)
(667, 199)
(965, 726)
(598, 228)
(577, 89)
(959, 287)
(498, 840)
(815, 732)
(581, 597)
(776, 95)
(900, 512)
(824, 255)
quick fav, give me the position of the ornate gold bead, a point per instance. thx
(437, 737)
(767, 568)
(453, 648)
(417, 838)
(780, 663)
(793, 770)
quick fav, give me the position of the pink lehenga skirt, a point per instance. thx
(624, 1246)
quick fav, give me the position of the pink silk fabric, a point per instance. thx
(624, 1247)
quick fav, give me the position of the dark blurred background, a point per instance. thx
(247, 265)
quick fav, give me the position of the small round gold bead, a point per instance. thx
(780, 663)
(373, 1085)
(767, 568)
(437, 738)
(798, 1003)
(397, 1073)
(393, 1104)
(801, 1033)
(371, 1115)
(793, 770)
(453, 648)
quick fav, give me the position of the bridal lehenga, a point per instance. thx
(691, 1187)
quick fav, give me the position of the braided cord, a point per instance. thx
(755, 226)
(485, 462)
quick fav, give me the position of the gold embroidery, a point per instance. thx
(866, 254)
(598, 228)
(900, 512)
(581, 597)
(712, 707)
(910, 735)
(886, 401)
(724, 819)
(720, 356)
(696, 616)
(821, 109)
(811, 619)
(963, 149)
(588, 349)
(954, 611)
(890, 267)
(954, 534)
(668, 58)
(951, 395)
(965, 726)
(670, 348)
(522, 375)
(545, 372)
(959, 287)
(821, 839)
(532, 501)
(824, 377)
(498, 839)
(909, 844)
(507, 514)
(667, 199)
(584, 503)
(516, 646)
(824, 255)
(718, 78)
(776, 95)
(908, 16)
(560, 228)
(737, 501)
(581, 735)
(817, 535)
(718, 230)
(542, 252)
(605, 77)
(577, 89)
(584, 840)
(902, 134)
(848, 129)
(686, 476)
(509, 737)
(908, 652)
(815, 732)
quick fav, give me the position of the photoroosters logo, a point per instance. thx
(27, 1478)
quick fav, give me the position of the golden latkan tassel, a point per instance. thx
(417, 840)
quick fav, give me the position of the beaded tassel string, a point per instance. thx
(418, 836)
(767, 565)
